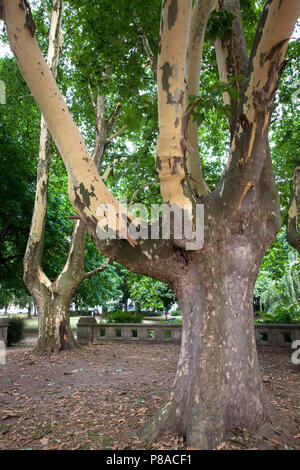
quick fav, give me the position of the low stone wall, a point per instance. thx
(3, 329)
(91, 331)
(276, 335)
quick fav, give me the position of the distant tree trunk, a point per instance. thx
(53, 299)
(104, 310)
(137, 308)
(29, 310)
(56, 333)
(5, 309)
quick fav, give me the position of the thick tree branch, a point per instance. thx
(86, 189)
(232, 57)
(200, 14)
(248, 149)
(33, 273)
(174, 30)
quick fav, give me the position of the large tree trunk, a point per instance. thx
(55, 330)
(218, 384)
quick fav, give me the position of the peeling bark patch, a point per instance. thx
(176, 161)
(167, 73)
(275, 48)
(180, 100)
(85, 194)
(248, 186)
(158, 163)
(262, 59)
(172, 14)
(244, 121)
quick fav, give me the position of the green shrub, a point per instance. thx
(152, 314)
(282, 313)
(15, 330)
(124, 317)
(176, 312)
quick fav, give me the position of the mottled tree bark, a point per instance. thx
(200, 15)
(218, 384)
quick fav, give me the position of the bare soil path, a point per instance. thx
(98, 396)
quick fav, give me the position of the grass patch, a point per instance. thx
(32, 323)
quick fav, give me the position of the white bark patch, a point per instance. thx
(147, 255)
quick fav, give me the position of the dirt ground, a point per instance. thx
(97, 398)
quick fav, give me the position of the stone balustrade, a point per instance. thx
(89, 330)
(276, 335)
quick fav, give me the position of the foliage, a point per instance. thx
(280, 299)
(177, 312)
(15, 330)
(124, 317)
(150, 293)
(219, 23)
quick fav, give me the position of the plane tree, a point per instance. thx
(218, 384)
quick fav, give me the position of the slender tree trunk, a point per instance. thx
(218, 353)
(53, 299)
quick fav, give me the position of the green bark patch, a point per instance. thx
(86, 195)
(167, 73)
(158, 163)
(172, 14)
